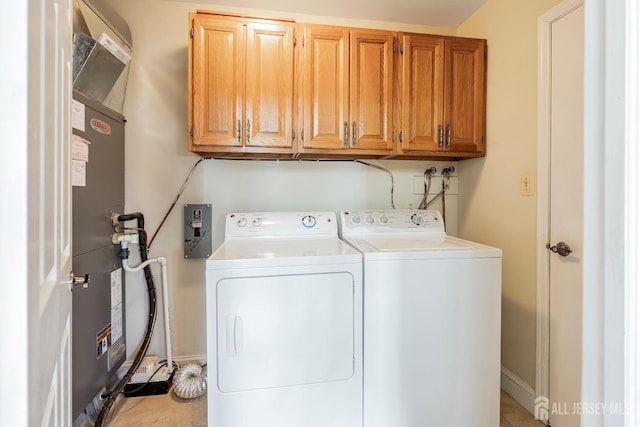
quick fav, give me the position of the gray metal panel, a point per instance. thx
(104, 191)
(94, 253)
(91, 314)
(197, 231)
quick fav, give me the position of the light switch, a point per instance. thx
(528, 184)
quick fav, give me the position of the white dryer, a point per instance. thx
(431, 322)
(284, 323)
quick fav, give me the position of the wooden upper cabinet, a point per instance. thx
(464, 95)
(346, 90)
(422, 93)
(442, 96)
(371, 102)
(216, 81)
(325, 88)
(268, 88)
(240, 86)
(269, 79)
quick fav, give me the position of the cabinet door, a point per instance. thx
(269, 80)
(217, 81)
(371, 90)
(326, 83)
(421, 97)
(464, 98)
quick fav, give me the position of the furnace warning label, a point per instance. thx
(103, 341)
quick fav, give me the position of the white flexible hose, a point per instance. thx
(190, 381)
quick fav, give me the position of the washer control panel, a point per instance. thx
(391, 220)
(280, 224)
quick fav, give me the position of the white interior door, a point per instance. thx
(36, 106)
(565, 217)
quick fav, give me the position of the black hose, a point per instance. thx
(151, 319)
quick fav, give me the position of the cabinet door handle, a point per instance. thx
(439, 137)
(354, 134)
(448, 137)
(248, 130)
(346, 134)
(239, 130)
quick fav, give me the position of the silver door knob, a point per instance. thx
(560, 248)
(78, 280)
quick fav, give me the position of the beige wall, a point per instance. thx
(491, 209)
(157, 162)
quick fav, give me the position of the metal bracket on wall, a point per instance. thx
(197, 231)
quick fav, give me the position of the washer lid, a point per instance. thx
(418, 246)
(281, 251)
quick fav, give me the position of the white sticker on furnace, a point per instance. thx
(77, 115)
(116, 287)
(116, 305)
(79, 148)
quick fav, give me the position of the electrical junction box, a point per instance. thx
(197, 231)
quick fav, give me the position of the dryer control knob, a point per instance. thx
(309, 221)
(356, 220)
(370, 219)
(257, 222)
(417, 219)
(242, 222)
(383, 219)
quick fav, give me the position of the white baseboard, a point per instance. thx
(518, 389)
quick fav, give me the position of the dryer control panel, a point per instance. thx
(281, 224)
(391, 220)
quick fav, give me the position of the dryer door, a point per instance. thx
(278, 331)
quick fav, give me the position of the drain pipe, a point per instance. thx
(125, 240)
(116, 218)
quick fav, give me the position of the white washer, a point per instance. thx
(431, 322)
(284, 323)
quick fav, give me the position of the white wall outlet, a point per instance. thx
(528, 184)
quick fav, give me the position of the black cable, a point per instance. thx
(151, 319)
(382, 168)
(184, 185)
(186, 181)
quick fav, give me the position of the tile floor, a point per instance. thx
(169, 410)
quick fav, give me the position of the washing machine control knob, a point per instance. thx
(257, 222)
(383, 219)
(242, 222)
(309, 221)
(417, 219)
(356, 220)
(370, 219)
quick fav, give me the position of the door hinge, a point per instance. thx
(400, 136)
(401, 48)
(393, 136)
(302, 41)
(394, 46)
(192, 32)
(302, 135)
(191, 132)
(293, 135)
(295, 42)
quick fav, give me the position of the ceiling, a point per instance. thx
(436, 13)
